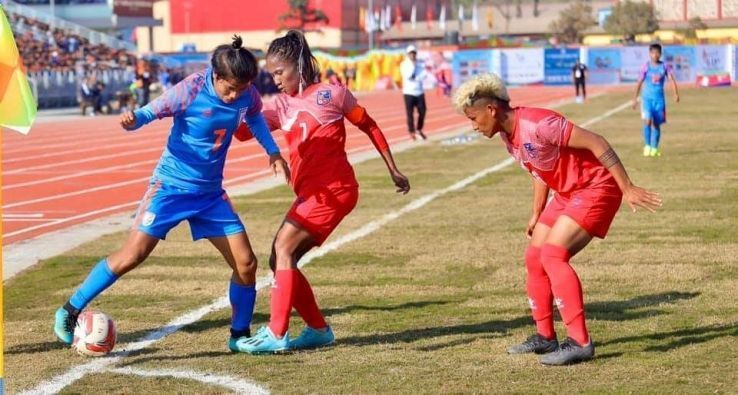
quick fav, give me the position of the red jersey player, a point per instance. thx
(312, 116)
(589, 181)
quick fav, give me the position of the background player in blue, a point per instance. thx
(208, 107)
(653, 104)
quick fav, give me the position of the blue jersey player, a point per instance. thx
(207, 107)
(653, 104)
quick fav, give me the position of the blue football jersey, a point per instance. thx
(202, 131)
(654, 77)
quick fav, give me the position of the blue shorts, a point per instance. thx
(653, 110)
(210, 214)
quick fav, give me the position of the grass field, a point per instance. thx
(429, 302)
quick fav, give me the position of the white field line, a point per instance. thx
(57, 383)
(120, 154)
(72, 218)
(5, 219)
(81, 174)
(237, 385)
(22, 215)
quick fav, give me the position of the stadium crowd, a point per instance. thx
(44, 48)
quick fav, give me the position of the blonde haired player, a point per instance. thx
(589, 182)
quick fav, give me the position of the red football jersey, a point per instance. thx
(316, 134)
(540, 143)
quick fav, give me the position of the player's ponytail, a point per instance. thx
(233, 61)
(293, 47)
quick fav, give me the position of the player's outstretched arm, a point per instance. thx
(128, 120)
(359, 117)
(132, 120)
(634, 195)
(171, 103)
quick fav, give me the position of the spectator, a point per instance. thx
(351, 76)
(579, 77)
(413, 93)
(143, 82)
(90, 96)
(332, 77)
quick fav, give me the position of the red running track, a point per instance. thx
(69, 172)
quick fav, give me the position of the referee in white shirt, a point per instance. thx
(412, 90)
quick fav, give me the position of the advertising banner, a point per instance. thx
(604, 65)
(682, 62)
(557, 64)
(712, 59)
(522, 65)
(467, 64)
(632, 61)
(735, 62)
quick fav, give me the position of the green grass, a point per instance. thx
(429, 302)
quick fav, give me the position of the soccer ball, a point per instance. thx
(94, 335)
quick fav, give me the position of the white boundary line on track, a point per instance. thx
(24, 254)
(59, 382)
(226, 184)
(123, 136)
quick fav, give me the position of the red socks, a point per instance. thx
(290, 289)
(283, 296)
(567, 290)
(540, 296)
(306, 305)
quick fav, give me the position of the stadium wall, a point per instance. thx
(206, 24)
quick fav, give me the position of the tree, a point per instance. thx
(301, 15)
(630, 18)
(572, 22)
(695, 24)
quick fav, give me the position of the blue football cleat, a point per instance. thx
(313, 338)
(263, 342)
(64, 323)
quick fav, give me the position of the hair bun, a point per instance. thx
(295, 35)
(237, 41)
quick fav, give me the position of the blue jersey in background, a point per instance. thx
(654, 78)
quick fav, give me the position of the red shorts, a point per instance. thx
(320, 210)
(592, 209)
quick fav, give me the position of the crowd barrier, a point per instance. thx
(607, 65)
(704, 65)
(54, 89)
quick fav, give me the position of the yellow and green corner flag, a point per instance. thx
(17, 105)
(17, 112)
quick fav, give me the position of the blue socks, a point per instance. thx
(655, 136)
(99, 279)
(647, 134)
(243, 298)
